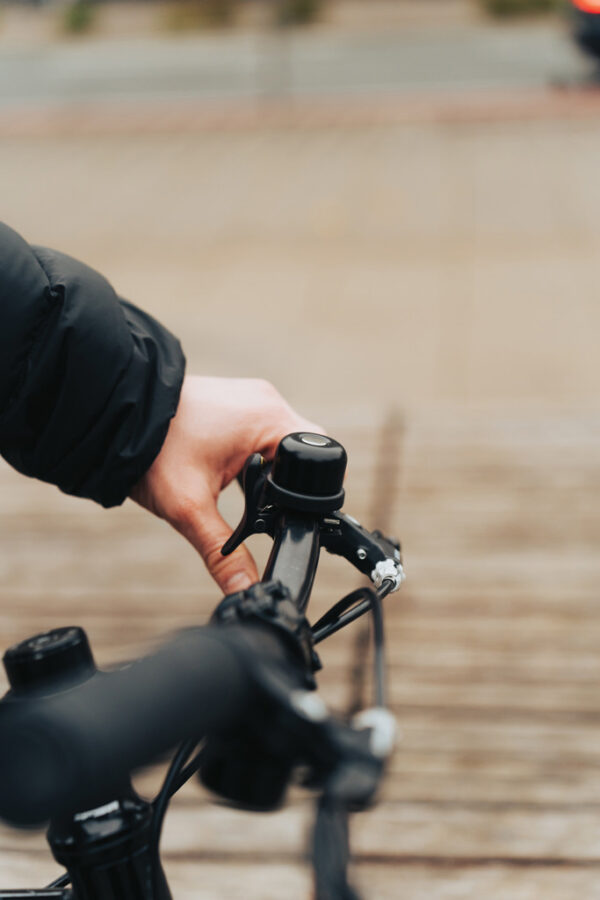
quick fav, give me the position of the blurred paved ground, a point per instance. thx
(355, 267)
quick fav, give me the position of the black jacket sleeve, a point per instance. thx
(88, 382)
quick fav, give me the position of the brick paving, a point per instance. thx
(494, 789)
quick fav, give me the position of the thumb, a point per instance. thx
(207, 531)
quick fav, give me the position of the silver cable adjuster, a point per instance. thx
(388, 570)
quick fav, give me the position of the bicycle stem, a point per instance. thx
(294, 556)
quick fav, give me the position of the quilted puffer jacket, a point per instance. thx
(88, 382)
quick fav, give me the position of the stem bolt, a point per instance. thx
(361, 553)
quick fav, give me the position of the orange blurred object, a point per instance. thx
(589, 6)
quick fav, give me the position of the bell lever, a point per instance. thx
(253, 520)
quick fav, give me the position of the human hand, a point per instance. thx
(219, 422)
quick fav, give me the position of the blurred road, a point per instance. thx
(473, 57)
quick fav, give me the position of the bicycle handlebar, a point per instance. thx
(68, 751)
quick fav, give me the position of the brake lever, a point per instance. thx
(371, 552)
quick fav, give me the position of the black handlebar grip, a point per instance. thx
(68, 752)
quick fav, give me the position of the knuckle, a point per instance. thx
(215, 561)
(268, 390)
(225, 569)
